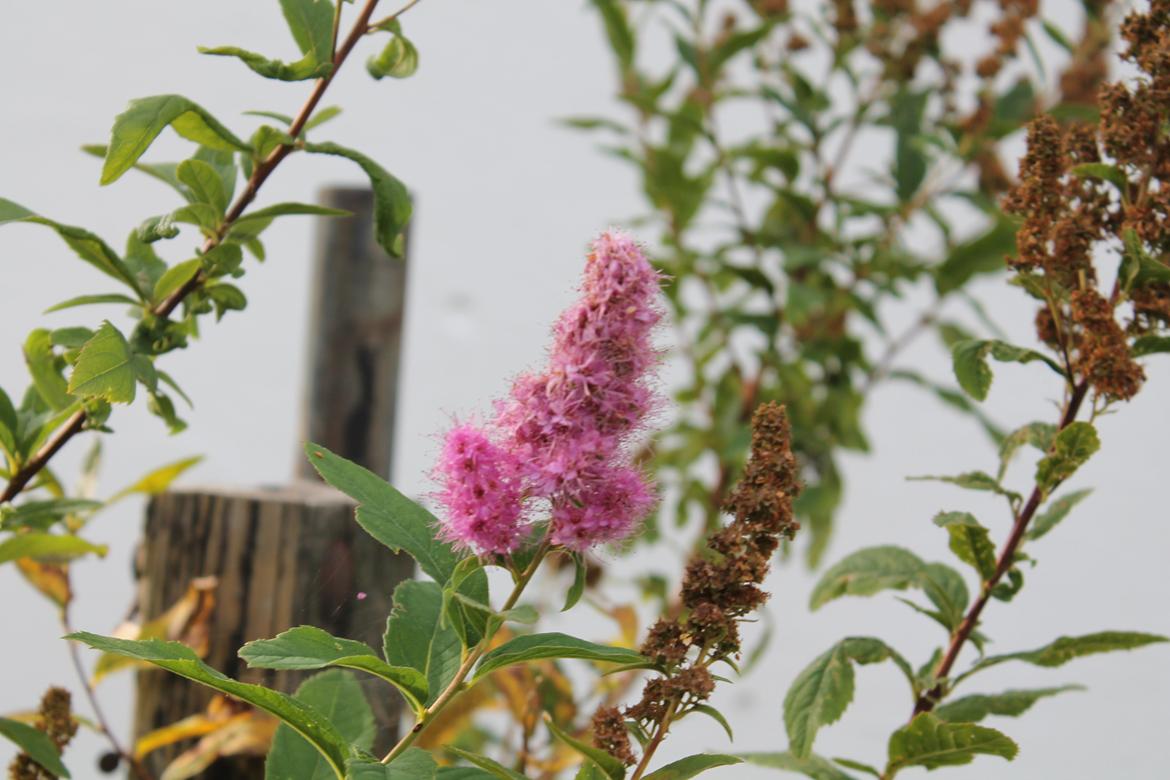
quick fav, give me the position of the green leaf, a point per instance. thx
(182, 660)
(717, 716)
(204, 182)
(494, 768)
(89, 300)
(931, 742)
(36, 744)
(1037, 434)
(1150, 344)
(612, 767)
(981, 255)
(398, 60)
(417, 636)
(971, 480)
(618, 31)
(159, 479)
(413, 764)
(88, 246)
(105, 367)
(136, 128)
(969, 358)
(578, 587)
(45, 369)
(399, 523)
(946, 590)
(47, 547)
(533, 647)
(867, 572)
(970, 541)
(41, 515)
(810, 766)
(1104, 171)
(1074, 445)
(337, 696)
(1066, 648)
(971, 709)
(392, 206)
(247, 223)
(823, 690)
(175, 277)
(308, 647)
(305, 68)
(1056, 512)
(691, 766)
(311, 25)
(387, 515)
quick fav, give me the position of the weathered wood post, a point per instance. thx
(293, 555)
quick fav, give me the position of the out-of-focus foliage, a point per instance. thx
(784, 240)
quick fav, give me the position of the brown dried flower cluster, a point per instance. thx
(55, 719)
(719, 588)
(1083, 188)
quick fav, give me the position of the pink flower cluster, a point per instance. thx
(560, 436)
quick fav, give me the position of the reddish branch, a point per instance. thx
(1005, 561)
(76, 423)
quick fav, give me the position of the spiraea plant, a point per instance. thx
(807, 164)
(1092, 253)
(549, 475)
(166, 289)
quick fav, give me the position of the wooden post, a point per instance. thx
(293, 555)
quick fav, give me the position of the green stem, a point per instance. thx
(454, 688)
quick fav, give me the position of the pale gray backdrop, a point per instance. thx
(506, 204)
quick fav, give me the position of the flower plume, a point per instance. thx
(561, 434)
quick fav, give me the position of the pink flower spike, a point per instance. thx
(480, 491)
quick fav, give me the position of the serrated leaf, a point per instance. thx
(1037, 434)
(392, 205)
(971, 480)
(1056, 512)
(970, 541)
(1074, 445)
(88, 246)
(308, 647)
(1066, 648)
(823, 690)
(337, 696)
(691, 766)
(418, 637)
(931, 742)
(36, 744)
(867, 572)
(533, 647)
(136, 128)
(974, 708)
(105, 367)
(810, 766)
(182, 660)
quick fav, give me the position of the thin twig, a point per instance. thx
(135, 765)
(384, 21)
(1005, 561)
